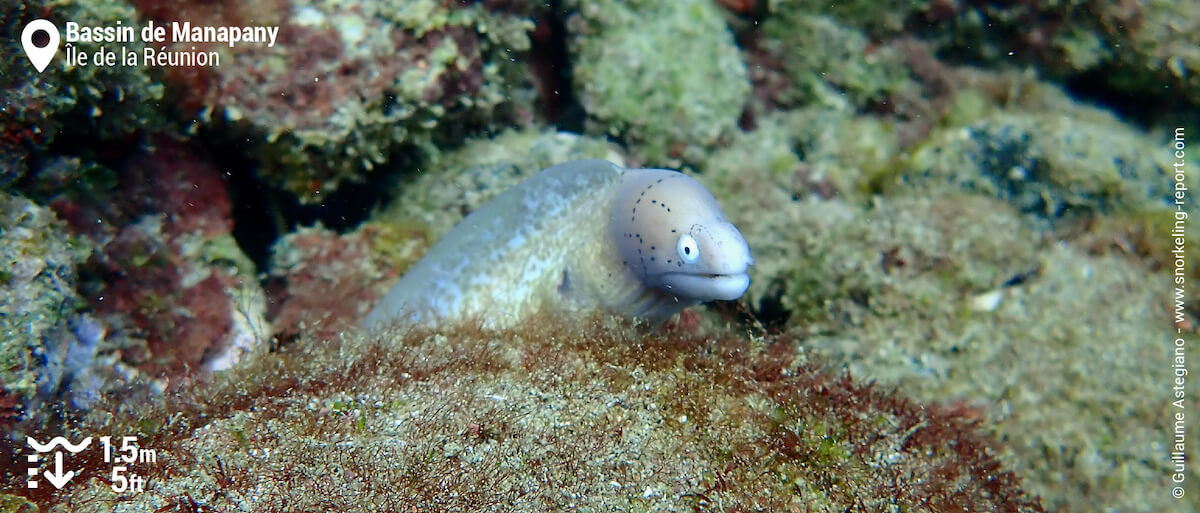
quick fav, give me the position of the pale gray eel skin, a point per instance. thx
(577, 237)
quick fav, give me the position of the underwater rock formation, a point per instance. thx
(1069, 161)
(549, 417)
(974, 293)
(168, 266)
(1148, 50)
(799, 59)
(928, 209)
(322, 282)
(343, 88)
(38, 346)
(163, 275)
(95, 102)
(664, 75)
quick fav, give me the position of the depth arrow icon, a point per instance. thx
(58, 479)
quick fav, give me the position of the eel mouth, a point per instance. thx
(706, 287)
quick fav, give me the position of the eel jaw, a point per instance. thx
(705, 287)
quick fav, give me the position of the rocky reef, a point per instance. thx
(347, 85)
(107, 105)
(958, 212)
(663, 75)
(41, 306)
(553, 416)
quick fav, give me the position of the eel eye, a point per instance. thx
(689, 251)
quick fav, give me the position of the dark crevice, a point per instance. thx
(1142, 108)
(550, 64)
(262, 213)
(255, 227)
(769, 313)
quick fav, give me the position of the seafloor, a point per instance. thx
(960, 211)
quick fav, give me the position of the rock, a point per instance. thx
(663, 75)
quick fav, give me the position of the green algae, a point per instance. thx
(16, 504)
(101, 102)
(1070, 160)
(422, 72)
(528, 420)
(946, 272)
(37, 294)
(1049, 356)
(950, 283)
(663, 75)
(829, 64)
(880, 18)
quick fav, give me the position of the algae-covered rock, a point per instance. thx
(1150, 48)
(964, 295)
(880, 18)
(551, 417)
(346, 86)
(13, 163)
(1161, 55)
(1073, 160)
(322, 282)
(143, 279)
(1062, 362)
(664, 75)
(102, 103)
(962, 298)
(167, 270)
(837, 263)
(38, 261)
(168, 287)
(824, 63)
(813, 151)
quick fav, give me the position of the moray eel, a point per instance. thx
(578, 236)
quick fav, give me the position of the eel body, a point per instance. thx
(576, 237)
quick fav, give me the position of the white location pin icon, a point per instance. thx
(40, 56)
